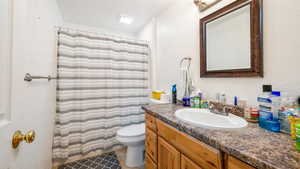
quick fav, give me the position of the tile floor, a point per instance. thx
(120, 155)
(104, 161)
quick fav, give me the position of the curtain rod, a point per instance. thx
(57, 28)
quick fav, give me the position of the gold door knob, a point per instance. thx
(18, 137)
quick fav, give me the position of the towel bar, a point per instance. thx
(28, 77)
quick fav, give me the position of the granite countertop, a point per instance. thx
(253, 145)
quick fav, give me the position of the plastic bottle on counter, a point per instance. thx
(196, 98)
(174, 94)
(297, 136)
(286, 109)
(276, 101)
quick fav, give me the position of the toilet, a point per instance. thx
(134, 138)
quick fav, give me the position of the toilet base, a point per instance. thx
(135, 156)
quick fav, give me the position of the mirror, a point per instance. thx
(231, 41)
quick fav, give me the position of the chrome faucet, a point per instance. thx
(225, 112)
(214, 109)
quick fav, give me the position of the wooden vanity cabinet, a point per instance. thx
(151, 144)
(233, 163)
(168, 148)
(150, 122)
(201, 154)
(168, 156)
(149, 164)
(186, 163)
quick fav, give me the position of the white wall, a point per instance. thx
(98, 30)
(178, 36)
(33, 104)
(148, 33)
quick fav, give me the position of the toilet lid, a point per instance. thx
(131, 131)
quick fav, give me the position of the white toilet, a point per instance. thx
(134, 138)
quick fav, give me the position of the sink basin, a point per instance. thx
(206, 119)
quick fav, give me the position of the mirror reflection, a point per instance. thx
(228, 41)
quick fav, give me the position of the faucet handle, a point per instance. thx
(211, 107)
(225, 109)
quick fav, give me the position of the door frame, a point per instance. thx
(6, 70)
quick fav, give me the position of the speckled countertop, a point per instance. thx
(253, 145)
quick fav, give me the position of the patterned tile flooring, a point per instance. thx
(104, 161)
(113, 160)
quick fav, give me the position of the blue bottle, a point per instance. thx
(268, 113)
(186, 101)
(174, 94)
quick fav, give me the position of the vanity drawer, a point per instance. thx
(234, 163)
(149, 164)
(151, 144)
(203, 155)
(150, 121)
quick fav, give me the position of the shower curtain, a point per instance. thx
(102, 84)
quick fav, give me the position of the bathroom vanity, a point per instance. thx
(172, 144)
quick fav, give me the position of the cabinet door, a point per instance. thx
(234, 163)
(149, 164)
(168, 156)
(151, 144)
(186, 163)
(150, 122)
(202, 154)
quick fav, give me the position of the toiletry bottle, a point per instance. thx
(218, 98)
(174, 94)
(254, 115)
(223, 98)
(197, 100)
(204, 104)
(297, 126)
(286, 109)
(298, 108)
(270, 120)
(264, 103)
(275, 97)
(235, 100)
(247, 113)
(186, 101)
(242, 103)
(274, 124)
(265, 106)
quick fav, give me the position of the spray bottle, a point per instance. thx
(174, 94)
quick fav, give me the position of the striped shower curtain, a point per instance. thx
(102, 84)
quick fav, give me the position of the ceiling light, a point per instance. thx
(126, 19)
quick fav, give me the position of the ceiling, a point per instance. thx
(104, 14)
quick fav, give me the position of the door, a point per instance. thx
(149, 164)
(233, 163)
(151, 144)
(6, 152)
(168, 156)
(27, 45)
(186, 163)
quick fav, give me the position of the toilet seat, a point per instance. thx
(132, 131)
